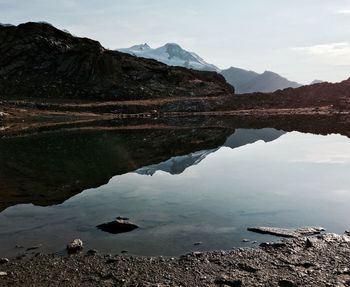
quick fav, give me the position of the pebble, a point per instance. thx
(92, 252)
(4, 260)
(198, 243)
(34, 247)
(75, 246)
(3, 273)
(308, 243)
(286, 283)
(245, 240)
(197, 253)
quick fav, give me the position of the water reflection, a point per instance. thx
(48, 168)
(240, 137)
(296, 180)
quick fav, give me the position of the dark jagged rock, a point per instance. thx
(38, 60)
(117, 226)
(287, 232)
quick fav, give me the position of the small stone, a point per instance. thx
(20, 256)
(197, 243)
(308, 243)
(228, 282)
(4, 260)
(112, 260)
(124, 251)
(3, 273)
(197, 253)
(246, 267)
(91, 252)
(277, 244)
(286, 283)
(122, 218)
(34, 247)
(245, 240)
(75, 246)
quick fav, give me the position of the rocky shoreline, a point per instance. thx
(322, 260)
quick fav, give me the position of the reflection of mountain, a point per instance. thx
(49, 168)
(177, 164)
(240, 137)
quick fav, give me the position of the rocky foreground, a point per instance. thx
(315, 261)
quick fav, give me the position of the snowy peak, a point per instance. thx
(141, 47)
(171, 54)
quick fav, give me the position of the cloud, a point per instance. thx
(344, 11)
(337, 54)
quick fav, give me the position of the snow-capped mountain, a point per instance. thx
(171, 54)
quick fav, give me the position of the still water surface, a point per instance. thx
(209, 196)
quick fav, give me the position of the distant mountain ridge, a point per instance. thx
(249, 82)
(171, 54)
(244, 81)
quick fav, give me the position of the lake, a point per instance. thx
(180, 186)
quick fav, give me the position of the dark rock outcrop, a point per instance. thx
(117, 226)
(75, 246)
(287, 232)
(38, 60)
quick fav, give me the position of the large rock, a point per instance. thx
(75, 246)
(117, 226)
(287, 232)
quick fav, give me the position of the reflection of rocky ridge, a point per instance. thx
(240, 137)
(50, 167)
(243, 137)
(177, 164)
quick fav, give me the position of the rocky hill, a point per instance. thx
(38, 60)
(249, 82)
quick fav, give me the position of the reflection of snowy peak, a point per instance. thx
(177, 164)
(171, 54)
(240, 137)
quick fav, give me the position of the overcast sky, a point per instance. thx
(300, 39)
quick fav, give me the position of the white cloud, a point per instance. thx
(344, 11)
(331, 53)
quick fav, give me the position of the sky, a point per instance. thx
(302, 40)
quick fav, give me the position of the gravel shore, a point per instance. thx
(323, 260)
